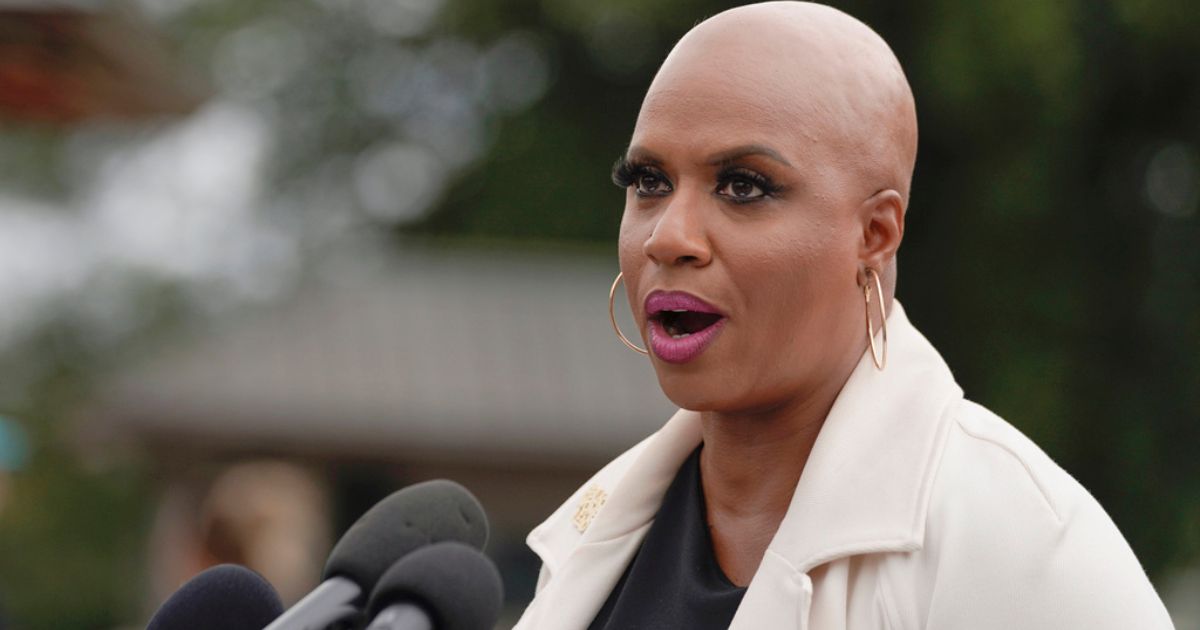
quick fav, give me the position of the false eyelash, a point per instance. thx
(766, 184)
(625, 172)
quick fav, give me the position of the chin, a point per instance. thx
(725, 388)
(697, 389)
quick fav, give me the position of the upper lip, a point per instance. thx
(658, 301)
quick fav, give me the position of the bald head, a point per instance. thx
(824, 79)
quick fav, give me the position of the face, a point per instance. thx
(741, 215)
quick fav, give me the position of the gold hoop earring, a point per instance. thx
(879, 363)
(612, 317)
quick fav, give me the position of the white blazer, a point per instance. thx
(916, 509)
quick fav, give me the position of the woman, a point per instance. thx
(825, 471)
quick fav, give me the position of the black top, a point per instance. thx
(674, 580)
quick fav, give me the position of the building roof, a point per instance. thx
(433, 354)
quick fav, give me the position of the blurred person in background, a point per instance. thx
(269, 516)
(14, 453)
(272, 517)
(825, 470)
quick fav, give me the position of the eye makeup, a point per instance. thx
(625, 171)
(647, 179)
(736, 183)
(742, 183)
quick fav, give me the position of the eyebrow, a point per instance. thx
(639, 154)
(747, 150)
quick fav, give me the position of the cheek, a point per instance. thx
(804, 286)
(626, 249)
(630, 256)
(800, 261)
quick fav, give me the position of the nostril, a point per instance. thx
(677, 244)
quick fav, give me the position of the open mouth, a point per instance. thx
(683, 323)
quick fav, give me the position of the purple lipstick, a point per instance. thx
(681, 325)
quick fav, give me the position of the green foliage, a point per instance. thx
(71, 540)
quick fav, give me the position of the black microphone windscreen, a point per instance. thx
(226, 596)
(457, 585)
(416, 516)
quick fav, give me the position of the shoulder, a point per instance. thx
(1012, 533)
(993, 467)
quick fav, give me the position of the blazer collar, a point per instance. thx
(867, 482)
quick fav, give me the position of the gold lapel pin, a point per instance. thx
(593, 499)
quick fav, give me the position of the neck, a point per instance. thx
(749, 468)
(751, 462)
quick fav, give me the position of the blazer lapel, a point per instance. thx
(867, 482)
(583, 583)
(866, 485)
(779, 598)
(580, 584)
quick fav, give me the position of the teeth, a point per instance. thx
(679, 310)
(681, 336)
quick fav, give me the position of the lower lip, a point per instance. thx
(684, 349)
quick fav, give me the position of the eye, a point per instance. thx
(742, 185)
(650, 184)
(647, 180)
(740, 188)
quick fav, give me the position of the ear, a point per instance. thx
(882, 218)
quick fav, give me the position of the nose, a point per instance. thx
(679, 236)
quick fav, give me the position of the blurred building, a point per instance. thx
(270, 432)
(496, 369)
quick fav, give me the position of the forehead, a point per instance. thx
(704, 118)
(707, 97)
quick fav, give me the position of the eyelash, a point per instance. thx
(626, 173)
(731, 173)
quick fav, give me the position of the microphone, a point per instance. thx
(414, 517)
(447, 586)
(225, 596)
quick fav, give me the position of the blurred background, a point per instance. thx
(262, 263)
